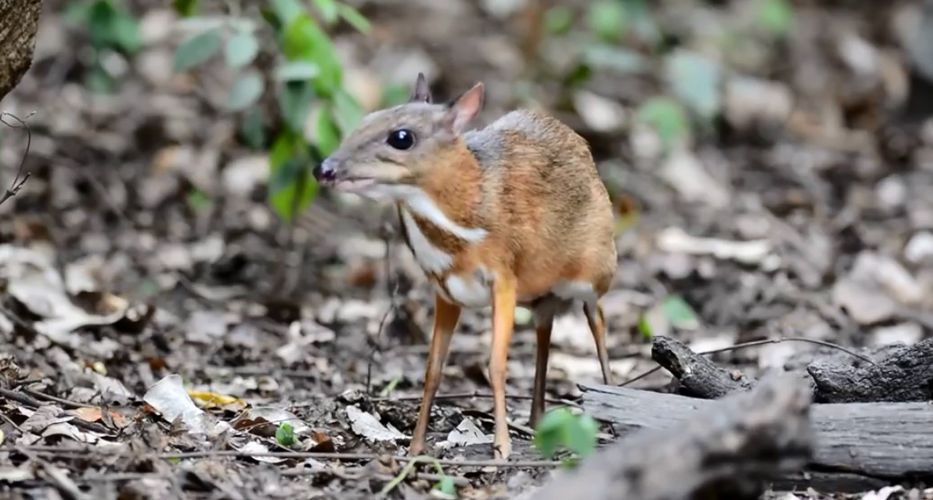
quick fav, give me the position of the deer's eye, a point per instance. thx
(401, 139)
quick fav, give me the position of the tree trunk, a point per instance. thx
(19, 22)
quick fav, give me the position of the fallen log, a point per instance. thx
(854, 444)
(904, 374)
(723, 451)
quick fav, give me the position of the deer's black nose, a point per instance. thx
(326, 171)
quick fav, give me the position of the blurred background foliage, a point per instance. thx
(663, 74)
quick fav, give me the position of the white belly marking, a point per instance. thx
(429, 257)
(580, 290)
(468, 291)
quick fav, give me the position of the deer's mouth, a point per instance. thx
(354, 184)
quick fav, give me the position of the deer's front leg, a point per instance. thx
(446, 316)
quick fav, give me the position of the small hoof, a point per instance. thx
(501, 452)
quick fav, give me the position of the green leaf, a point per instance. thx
(285, 434)
(291, 187)
(605, 56)
(286, 10)
(245, 92)
(296, 71)
(775, 16)
(446, 486)
(561, 428)
(347, 112)
(198, 200)
(394, 94)
(679, 313)
(329, 10)
(354, 18)
(186, 8)
(304, 40)
(197, 50)
(327, 136)
(241, 49)
(125, 33)
(558, 20)
(581, 435)
(666, 117)
(644, 327)
(252, 130)
(295, 104)
(696, 80)
(608, 19)
(78, 12)
(549, 434)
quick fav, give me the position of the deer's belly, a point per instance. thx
(467, 289)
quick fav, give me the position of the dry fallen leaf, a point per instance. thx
(259, 449)
(465, 434)
(169, 398)
(212, 399)
(367, 425)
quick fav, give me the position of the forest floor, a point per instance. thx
(141, 259)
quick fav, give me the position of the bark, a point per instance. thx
(723, 450)
(19, 22)
(854, 444)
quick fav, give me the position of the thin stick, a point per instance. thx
(20, 178)
(323, 455)
(478, 395)
(754, 343)
(48, 397)
(392, 290)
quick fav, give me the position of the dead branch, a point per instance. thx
(698, 375)
(21, 177)
(905, 375)
(723, 450)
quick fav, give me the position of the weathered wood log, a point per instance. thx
(725, 450)
(697, 375)
(904, 375)
(19, 22)
(865, 442)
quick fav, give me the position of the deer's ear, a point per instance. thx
(465, 108)
(421, 92)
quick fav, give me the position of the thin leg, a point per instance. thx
(597, 324)
(543, 329)
(446, 316)
(503, 318)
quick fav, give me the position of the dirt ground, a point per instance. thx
(142, 253)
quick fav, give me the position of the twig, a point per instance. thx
(21, 177)
(48, 397)
(60, 479)
(470, 395)
(322, 455)
(392, 290)
(754, 343)
(407, 470)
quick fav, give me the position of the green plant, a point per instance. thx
(672, 311)
(285, 434)
(306, 83)
(111, 29)
(668, 119)
(561, 429)
(444, 486)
